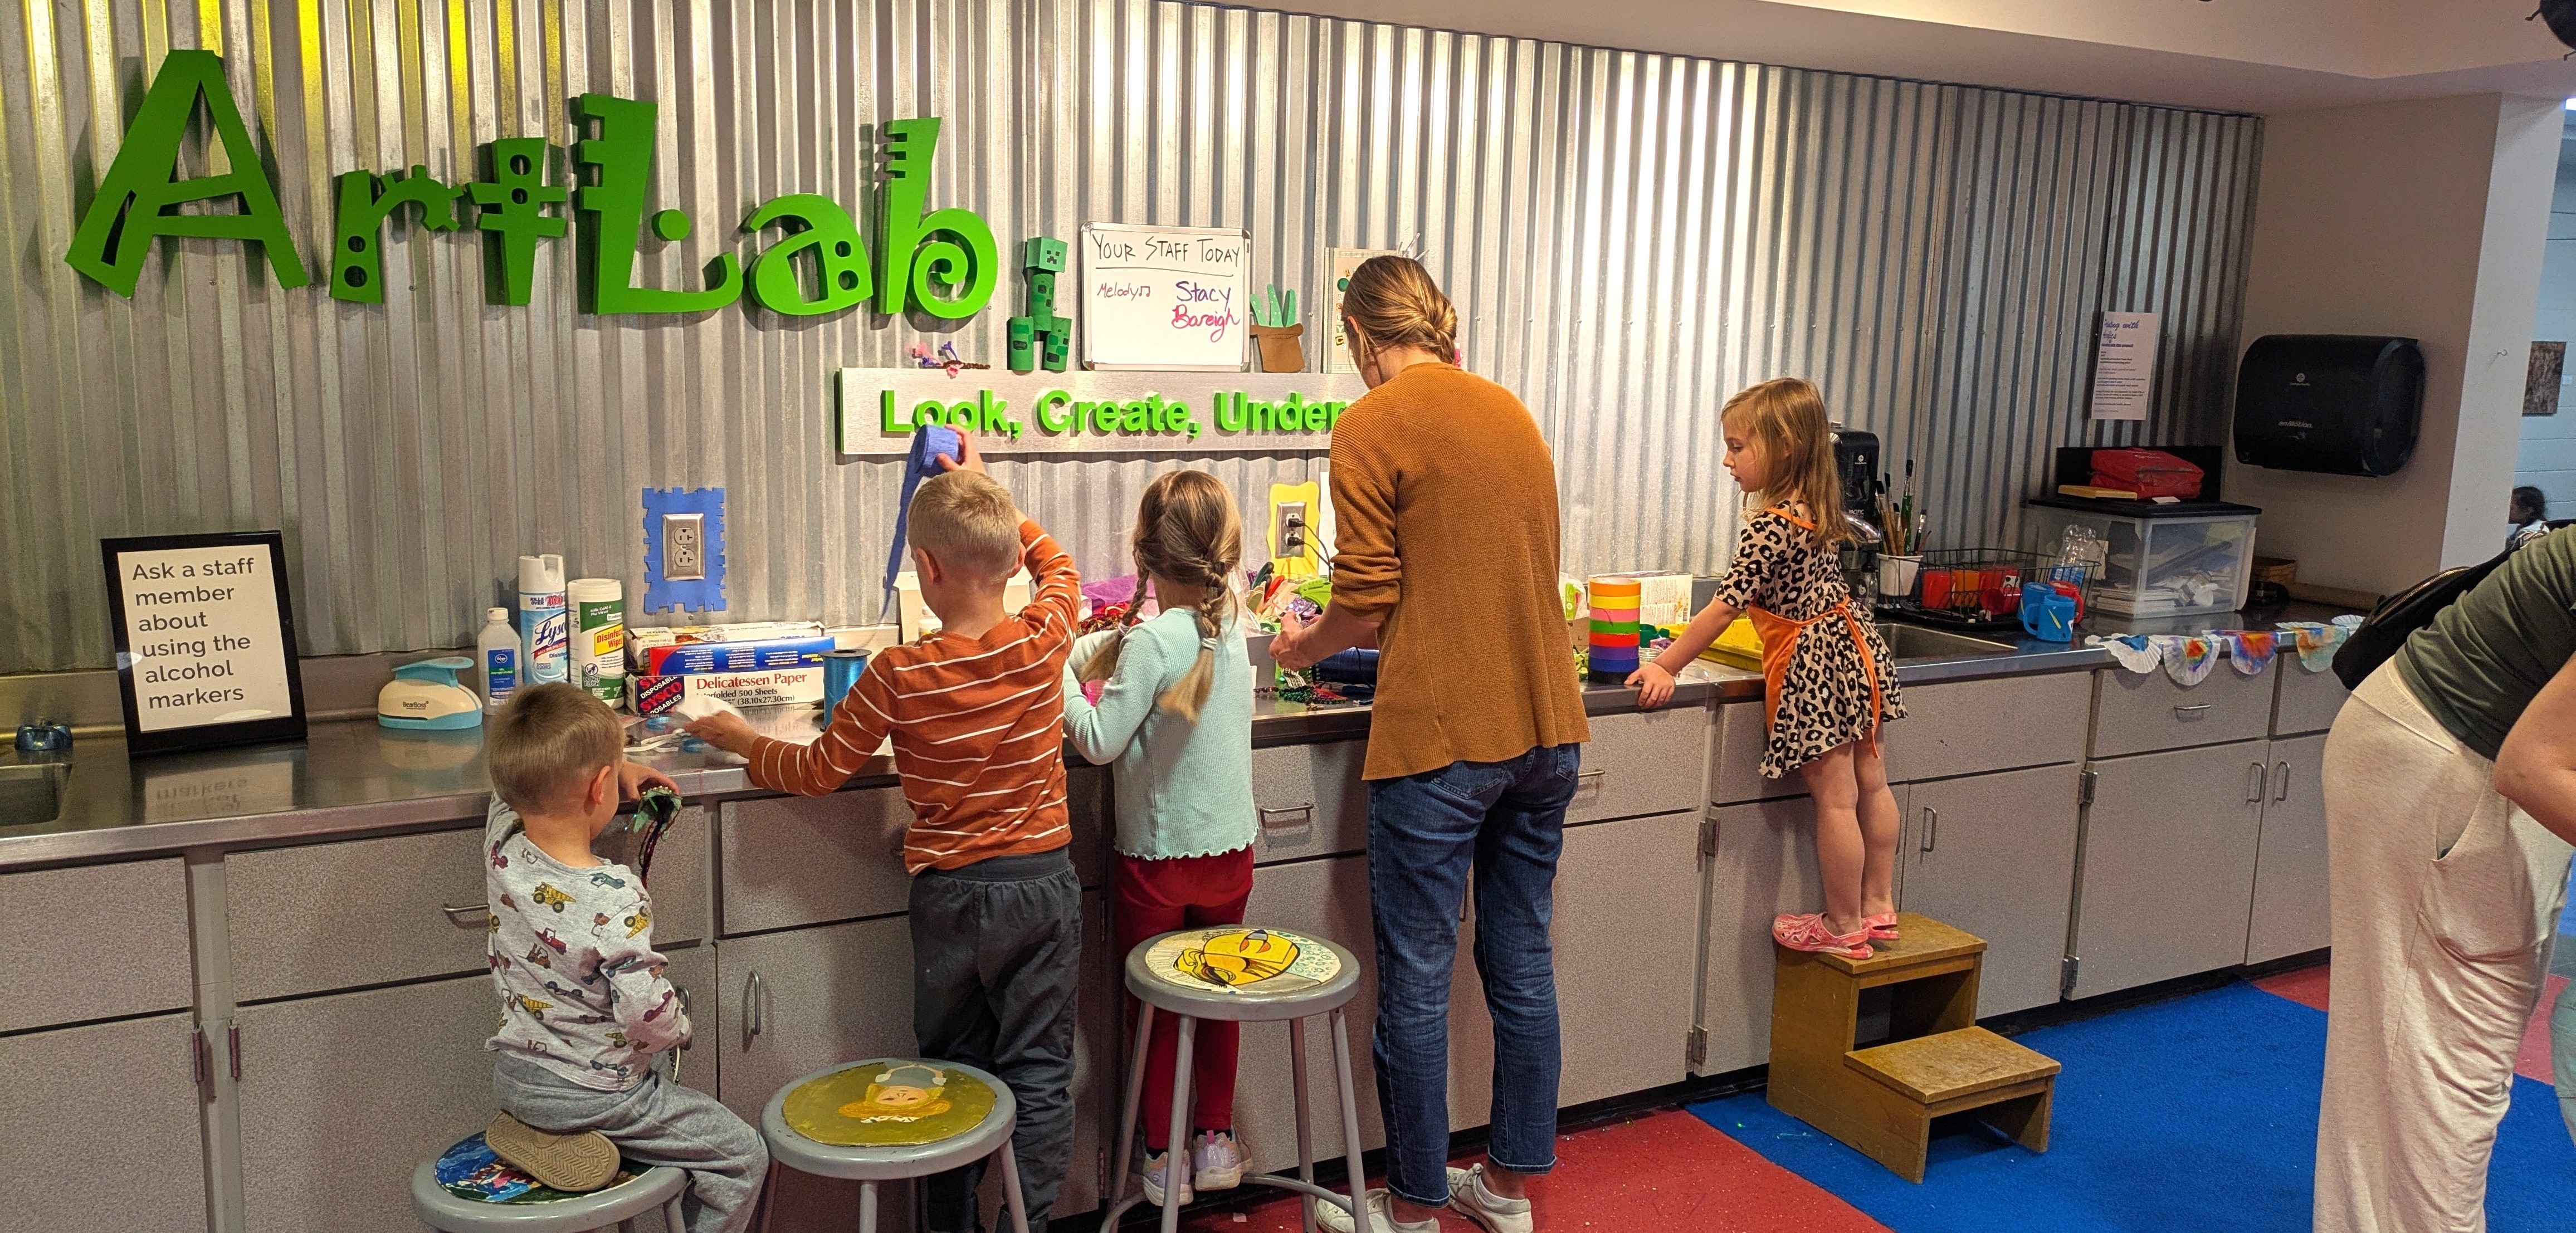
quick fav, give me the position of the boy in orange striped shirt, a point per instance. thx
(976, 713)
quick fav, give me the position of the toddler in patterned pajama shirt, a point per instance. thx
(585, 1006)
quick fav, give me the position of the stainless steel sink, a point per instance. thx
(32, 792)
(1914, 644)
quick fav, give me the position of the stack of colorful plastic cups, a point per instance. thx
(1614, 629)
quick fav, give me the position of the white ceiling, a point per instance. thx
(2239, 55)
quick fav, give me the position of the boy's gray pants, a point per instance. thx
(656, 1122)
(996, 954)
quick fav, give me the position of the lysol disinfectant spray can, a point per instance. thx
(598, 607)
(543, 632)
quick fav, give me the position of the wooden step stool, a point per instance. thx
(1881, 1100)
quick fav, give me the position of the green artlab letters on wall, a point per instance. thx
(944, 262)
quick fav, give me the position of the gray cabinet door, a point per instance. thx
(796, 860)
(2137, 712)
(1970, 727)
(2289, 915)
(1310, 799)
(1626, 893)
(1646, 762)
(2168, 865)
(1763, 863)
(292, 911)
(1735, 759)
(94, 942)
(342, 1096)
(1995, 855)
(102, 1135)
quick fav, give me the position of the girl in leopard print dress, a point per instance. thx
(1829, 683)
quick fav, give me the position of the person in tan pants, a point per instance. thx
(2450, 791)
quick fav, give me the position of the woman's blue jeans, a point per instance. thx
(1505, 823)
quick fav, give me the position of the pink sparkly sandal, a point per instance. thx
(1882, 927)
(1808, 932)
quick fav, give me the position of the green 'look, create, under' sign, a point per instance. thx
(944, 262)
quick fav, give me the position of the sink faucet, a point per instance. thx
(1863, 530)
(44, 736)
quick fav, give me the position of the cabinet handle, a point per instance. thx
(1305, 813)
(2254, 782)
(1931, 827)
(2181, 712)
(2282, 793)
(753, 994)
(1580, 776)
(232, 1042)
(456, 915)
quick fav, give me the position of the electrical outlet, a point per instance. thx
(1288, 528)
(684, 547)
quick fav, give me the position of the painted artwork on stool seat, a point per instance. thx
(889, 1102)
(1239, 959)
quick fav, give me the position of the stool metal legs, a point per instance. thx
(1176, 1156)
(1305, 1136)
(1350, 1119)
(1011, 1200)
(1175, 1160)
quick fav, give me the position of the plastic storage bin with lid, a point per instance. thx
(2160, 565)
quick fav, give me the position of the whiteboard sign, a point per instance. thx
(2124, 368)
(205, 640)
(1172, 298)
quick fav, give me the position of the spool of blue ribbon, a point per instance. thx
(928, 442)
(841, 670)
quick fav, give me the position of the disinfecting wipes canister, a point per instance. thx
(543, 633)
(598, 607)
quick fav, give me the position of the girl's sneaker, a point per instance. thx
(1152, 1168)
(1469, 1197)
(1218, 1161)
(1809, 932)
(1882, 927)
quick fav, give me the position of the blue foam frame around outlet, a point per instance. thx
(696, 595)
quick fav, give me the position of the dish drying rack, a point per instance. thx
(1978, 590)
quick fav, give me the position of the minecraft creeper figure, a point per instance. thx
(1040, 335)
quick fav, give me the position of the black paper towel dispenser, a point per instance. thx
(2342, 404)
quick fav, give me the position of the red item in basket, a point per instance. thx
(2148, 473)
(1936, 589)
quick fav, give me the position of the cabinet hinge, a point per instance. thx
(1695, 1046)
(1707, 838)
(197, 1058)
(2066, 975)
(2088, 782)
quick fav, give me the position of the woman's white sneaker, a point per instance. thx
(1381, 1217)
(1467, 1194)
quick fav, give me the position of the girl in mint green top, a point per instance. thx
(1184, 783)
(1175, 715)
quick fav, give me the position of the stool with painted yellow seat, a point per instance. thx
(1936, 1061)
(893, 1119)
(1246, 974)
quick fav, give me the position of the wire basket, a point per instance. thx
(1975, 589)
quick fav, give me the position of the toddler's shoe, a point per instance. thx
(1217, 1161)
(1882, 927)
(1467, 1194)
(1381, 1217)
(574, 1164)
(1152, 1168)
(1809, 932)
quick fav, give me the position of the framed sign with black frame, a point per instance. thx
(205, 640)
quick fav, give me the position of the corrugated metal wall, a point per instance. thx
(1629, 237)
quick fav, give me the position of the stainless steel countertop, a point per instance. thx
(355, 778)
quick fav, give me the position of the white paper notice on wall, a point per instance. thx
(2124, 366)
(205, 640)
(1165, 298)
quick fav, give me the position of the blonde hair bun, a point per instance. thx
(1395, 304)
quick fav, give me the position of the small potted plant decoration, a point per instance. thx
(1276, 328)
